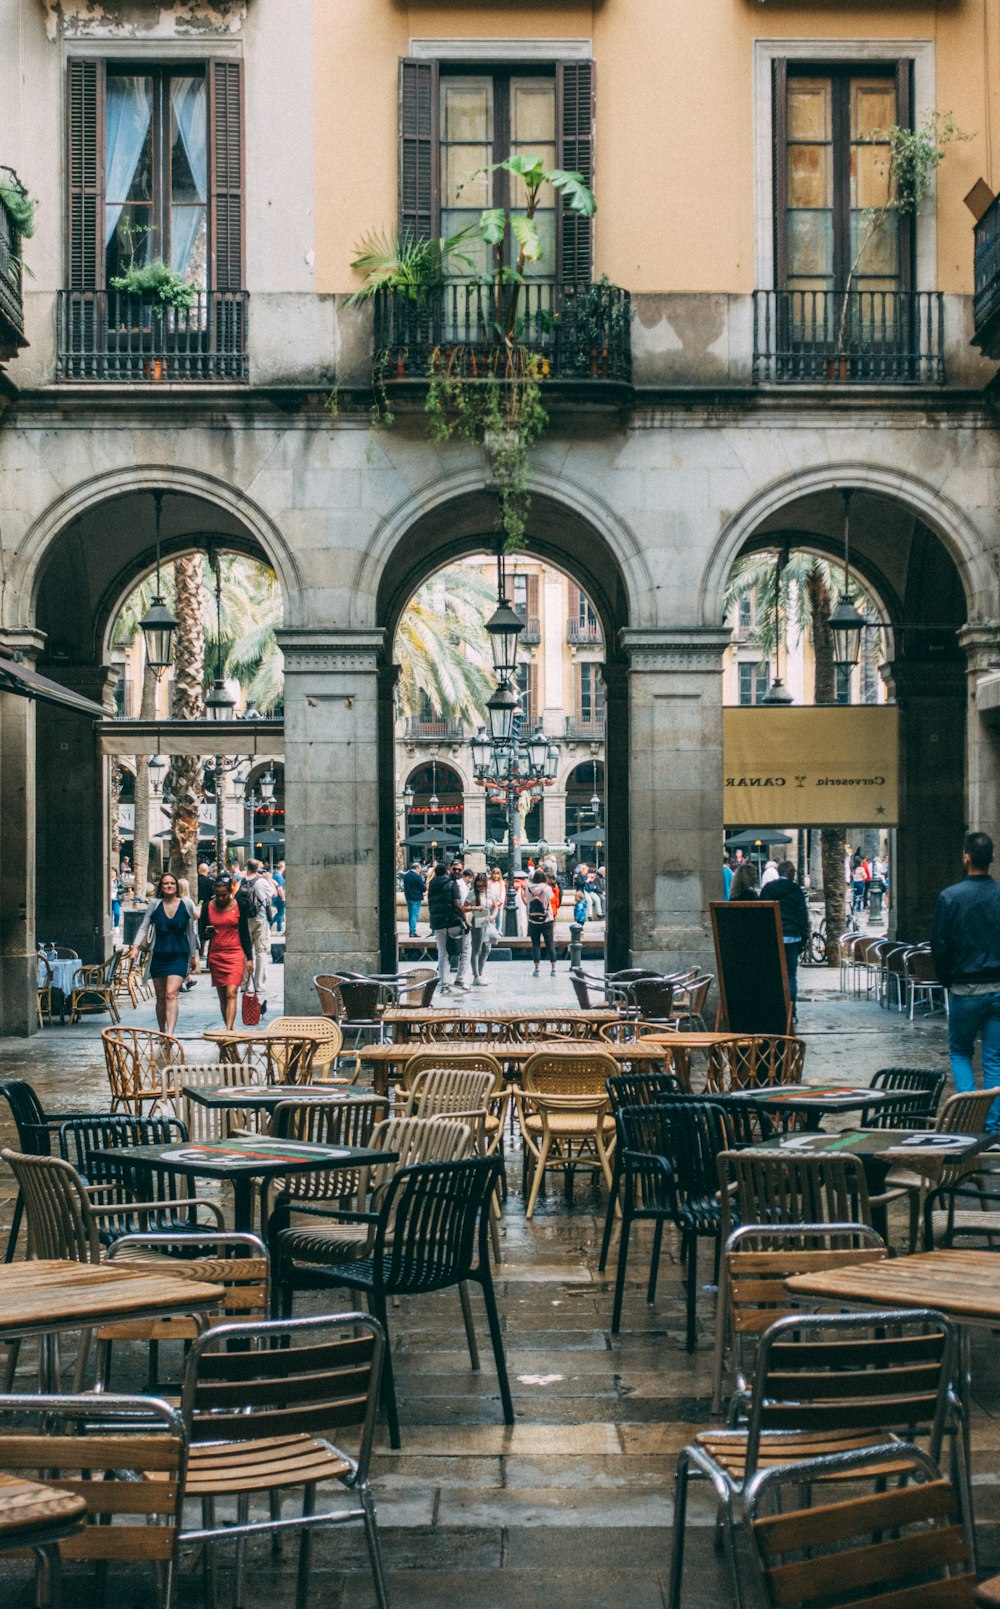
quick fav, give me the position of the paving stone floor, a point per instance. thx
(572, 1505)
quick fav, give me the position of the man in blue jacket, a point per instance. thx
(965, 942)
(794, 923)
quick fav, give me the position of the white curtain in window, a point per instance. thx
(129, 108)
(188, 99)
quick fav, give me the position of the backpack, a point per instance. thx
(259, 904)
(580, 911)
(537, 911)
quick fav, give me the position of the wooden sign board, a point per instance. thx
(811, 767)
(750, 966)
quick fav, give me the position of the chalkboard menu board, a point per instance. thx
(750, 964)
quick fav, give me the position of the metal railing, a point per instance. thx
(986, 300)
(575, 331)
(532, 632)
(112, 336)
(11, 298)
(585, 730)
(583, 631)
(416, 728)
(879, 337)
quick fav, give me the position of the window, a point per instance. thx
(585, 613)
(155, 168)
(590, 694)
(526, 684)
(828, 169)
(746, 611)
(453, 121)
(754, 681)
(842, 684)
(525, 597)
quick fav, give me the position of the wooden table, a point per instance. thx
(239, 1162)
(385, 1058)
(815, 1101)
(960, 1284)
(36, 1516)
(407, 1021)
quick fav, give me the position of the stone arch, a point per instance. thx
(942, 516)
(20, 608)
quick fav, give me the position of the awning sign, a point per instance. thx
(828, 767)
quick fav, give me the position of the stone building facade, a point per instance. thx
(723, 423)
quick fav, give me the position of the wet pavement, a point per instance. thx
(572, 1505)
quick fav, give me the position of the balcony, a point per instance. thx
(579, 332)
(11, 302)
(418, 730)
(583, 633)
(585, 729)
(878, 338)
(986, 301)
(109, 337)
(531, 632)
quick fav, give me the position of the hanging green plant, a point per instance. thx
(20, 205)
(156, 282)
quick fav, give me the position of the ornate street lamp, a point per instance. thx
(846, 623)
(778, 693)
(504, 628)
(266, 785)
(158, 624)
(219, 704)
(482, 753)
(501, 709)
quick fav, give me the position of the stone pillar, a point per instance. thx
(74, 826)
(554, 815)
(18, 970)
(932, 807)
(981, 645)
(332, 806)
(474, 817)
(675, 791)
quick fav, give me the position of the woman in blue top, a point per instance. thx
(170, 931)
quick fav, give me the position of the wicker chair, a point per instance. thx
(565, 1116)
(43, 992)
(207, 1123)
(136, 1059)
(961, 1114)
(328, 1041)
(312, 1122)
(94, 990)
(35, 1128)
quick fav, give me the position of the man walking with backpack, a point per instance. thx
(445, 907)
(255, 895)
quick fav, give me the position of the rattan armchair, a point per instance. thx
(565, 1116)
(136, 1059)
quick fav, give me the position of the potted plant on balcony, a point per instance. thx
(911, 160)
(412, 269)
(159, 287)
(595, 321)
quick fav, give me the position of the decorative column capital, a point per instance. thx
(980, 643)
(675, 648)
(24, 638)
(307, 649)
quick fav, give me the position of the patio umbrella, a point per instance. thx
(432, 835)
(589, 835)
(750, 837)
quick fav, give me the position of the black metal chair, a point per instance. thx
(653, 998)
(927, 1084)
(105, 1132)
(432, 1232)
(750, 1123)
(630, 1089)
(35, 1128)
(670, 1171)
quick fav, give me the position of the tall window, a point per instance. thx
(831, 164)
(585, 612)
(754, 681)
(155, 169)
(746, 611)
(842, 684)
(590, 694)
(526, 685)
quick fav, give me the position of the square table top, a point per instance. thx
(961, 1284)
(40, 1296)
(266, 1096)
(830, 1097)
(915, 1146)
(225, 1159)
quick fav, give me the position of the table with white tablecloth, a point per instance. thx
(63, 971)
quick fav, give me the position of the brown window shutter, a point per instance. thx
(534, 613)
(225, 121)
(904, 119)
(575, 153)
(531, 713)
(419, 209)
(779, 115)
(85, 165)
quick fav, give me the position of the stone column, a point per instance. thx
(17, 851)
(675, 791)
(332, 806)
(981, 645)
(554, 815)
(932, 804)
(74, 825)
(474, 817)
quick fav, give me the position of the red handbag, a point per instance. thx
(250, 1008)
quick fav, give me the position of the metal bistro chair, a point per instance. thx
(630, 1089)
(960, 1114)
(94, 989)
(825, 1383)
(653, 999)
(262, 1404)
(922, 982)
(35, 1129)
(417, 987)
(669, 1167)
(927, 1085)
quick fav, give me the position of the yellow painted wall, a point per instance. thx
(675, 160)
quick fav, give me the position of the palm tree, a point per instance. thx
(183, 776)
(251, 614)
(442, 647)
(126, 629)
(804, 597)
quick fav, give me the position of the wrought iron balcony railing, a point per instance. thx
(577, 332)
(110, 336)
(532, 632)
(986, 302)
(883, 337)
(580, 632)
(415, 729)
(585, 729)
(11, 300)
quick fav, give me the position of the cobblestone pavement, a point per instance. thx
(571, 1506)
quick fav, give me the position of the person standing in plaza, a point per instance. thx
(169, 933)
(794, 922)
(255, 899)
(278, 879)
(965, 944)
(445, 901)
(226, 929)
(541, 921)
(744, 882)
(414, 888)
(481, 913)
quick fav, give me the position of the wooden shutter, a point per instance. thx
(225, 121)
(904, 119)
(418, 149)
(85, 166)
(533, 611)
(779, 166)
(575, 153)
(531, 713)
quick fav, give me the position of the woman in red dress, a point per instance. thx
(229, 948)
